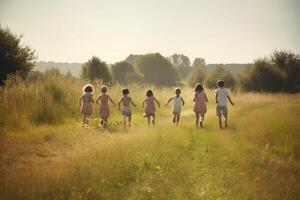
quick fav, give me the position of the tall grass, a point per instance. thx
(256, 157)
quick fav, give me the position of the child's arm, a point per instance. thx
(144, 102)
(230, 100)
(157, 102)
(206, 99)
(98, 98)
(111, 100)
(169, 101)
(182, 101)
(119, 104)
(80, 99)
(92, 99)
(217, 98)
(132, 102)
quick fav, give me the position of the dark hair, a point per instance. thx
(125, 91)
(149, 93)
(177, 90)
(220, 83)
(103, 89)
(88, 88)
(198, 87)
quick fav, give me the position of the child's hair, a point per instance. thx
(220, 83)
(125, 91)
(88, 88)
(198, 87)
(149, 93)
(177, 90)
(103, 89)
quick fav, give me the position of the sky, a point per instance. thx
(220, 31)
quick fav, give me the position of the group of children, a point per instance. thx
(125, 102)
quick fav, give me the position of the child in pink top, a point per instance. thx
(104, 108)
(200, 100)
(150, 106)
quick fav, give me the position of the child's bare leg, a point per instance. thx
(201, 120)
(174, 117)
(129, 121)
(124, 121)
(197, 119)
(84, 118)
(220, 122)
(105, 122)
(178, 118)
(153, 119)
(225, 121)
(148, 118)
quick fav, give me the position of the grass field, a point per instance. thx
(256, 157)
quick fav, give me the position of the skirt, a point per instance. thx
(87, 108)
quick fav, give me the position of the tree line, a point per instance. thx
(280, 72)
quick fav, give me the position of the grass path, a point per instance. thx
(257, 157)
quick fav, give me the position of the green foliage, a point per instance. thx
(280, 72)
(263, 77)
(219, 73)
(95, 69)
(182, 64)
(123, 72)
(197, 75)
(14, 57)
(157, 70)
(289, 63)
(199, 62)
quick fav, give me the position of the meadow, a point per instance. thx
(45, 153)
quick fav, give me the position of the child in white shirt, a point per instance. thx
(177, 101)
(222, 94)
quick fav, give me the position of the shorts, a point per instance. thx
(126, 111)
(222, 110)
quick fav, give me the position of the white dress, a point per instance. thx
(177, 104)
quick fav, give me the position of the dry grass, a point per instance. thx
(257, 157)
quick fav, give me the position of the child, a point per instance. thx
(104, 108)
(150, 107)
(177, 100)
(85, 102)
(126, 101)
(222, 94)
(200, 100)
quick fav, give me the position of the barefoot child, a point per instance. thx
(200, 100)
(177, 101)
(104, 108)
(222, 94)
(150, 106)
(126, 101)
(85, 102)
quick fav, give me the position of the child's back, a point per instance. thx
(222, 95)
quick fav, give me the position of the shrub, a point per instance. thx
(197, 75)
(95, 69)
(219, 73)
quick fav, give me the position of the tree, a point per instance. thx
(199, 62)
(289, 63)
(262, 77)
(157, 70)
(95, 69)
(197, 75)
(123, 72)
(219, 73)
(14, 57)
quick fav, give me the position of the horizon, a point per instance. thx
(220, 32)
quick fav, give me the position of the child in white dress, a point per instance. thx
(177, 102)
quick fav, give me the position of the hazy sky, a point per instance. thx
(217, 30)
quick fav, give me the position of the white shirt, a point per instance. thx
(177, 103)
(222, 93)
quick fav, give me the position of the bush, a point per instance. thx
(219, 73)
(95, 69)
(157, 70)
(123, 72)
(13, 56)
(197, 75)
(263, 77)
